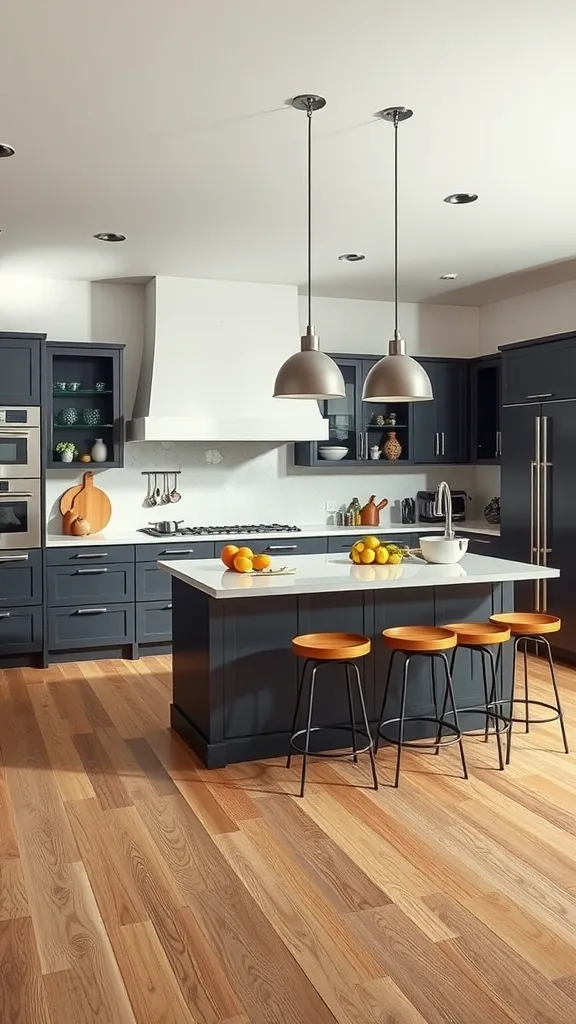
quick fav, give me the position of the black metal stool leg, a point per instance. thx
(485, 681)
(450, 691)
(384, 699)
(347, 667)
(509, 733)
(435, 700)
(366, 724)
(526, 686)
(297, 708)
(493, 695)
(401, 720)
(556, 694)
(308, 728)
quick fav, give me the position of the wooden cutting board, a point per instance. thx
(89, 502)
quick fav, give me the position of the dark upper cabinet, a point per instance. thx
(84, 401)
(485, 404)
(440, 427)
(543, 371)
(20, 368)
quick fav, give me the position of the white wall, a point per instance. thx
(533, 315)
(239, 482)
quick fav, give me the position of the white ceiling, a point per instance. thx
(167, 120)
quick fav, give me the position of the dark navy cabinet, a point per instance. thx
(20, 368)
(485, 403)
(540, 371)
(20, 603)
(440, 428)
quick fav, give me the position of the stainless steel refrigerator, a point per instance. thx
(538, 506)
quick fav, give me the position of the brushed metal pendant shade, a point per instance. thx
(309, 373)
(397, 377)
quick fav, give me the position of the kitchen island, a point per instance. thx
(234, 674)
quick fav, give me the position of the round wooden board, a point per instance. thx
(89, 502)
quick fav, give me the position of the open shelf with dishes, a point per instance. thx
(84, 409)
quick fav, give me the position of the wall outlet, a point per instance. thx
(332, 506)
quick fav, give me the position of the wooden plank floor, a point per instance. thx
(138, 888)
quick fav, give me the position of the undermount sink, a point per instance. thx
(443, 550)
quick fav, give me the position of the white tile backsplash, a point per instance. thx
(250, 482)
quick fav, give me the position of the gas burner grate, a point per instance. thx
(250, 529)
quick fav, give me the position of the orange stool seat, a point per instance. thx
(331, 646)
(479, 634)
(528, 623)
(421, 639)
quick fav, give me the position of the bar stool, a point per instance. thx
(530, 627)
(320, 649)
(420, 641)
(482, 637)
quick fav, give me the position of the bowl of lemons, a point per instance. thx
(372, 551)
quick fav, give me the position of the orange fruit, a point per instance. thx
(367, 556)
(228, 554)
(262, 562)
(243, 564)
(245, 552)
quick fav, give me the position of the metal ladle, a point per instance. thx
(152, 500)
(174, 494)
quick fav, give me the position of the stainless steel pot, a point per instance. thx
(167, 525)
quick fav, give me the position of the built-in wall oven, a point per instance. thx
(19, 442)
(20, 514)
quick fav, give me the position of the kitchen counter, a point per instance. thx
(323, 574)
(134, 537)
(235, 678)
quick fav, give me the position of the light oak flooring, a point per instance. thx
(137, 887)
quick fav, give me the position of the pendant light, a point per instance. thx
(309, 373)
(397, 377)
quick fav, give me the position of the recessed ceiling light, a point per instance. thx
(6, 150)
(448, 277)
(110, 236)
(459, 198)
(351, 257)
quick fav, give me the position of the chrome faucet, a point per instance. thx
(444, 497)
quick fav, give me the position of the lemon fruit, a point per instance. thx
(367, 556)
(395, 558)
(371, 542)
(355, 556)
(359, 546)
(382, 555)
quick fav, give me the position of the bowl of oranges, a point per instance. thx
(244, 560)
(371, 551)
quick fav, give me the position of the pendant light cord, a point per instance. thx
(396, 332)
(309, 114)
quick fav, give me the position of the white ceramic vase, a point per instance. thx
(99, 451)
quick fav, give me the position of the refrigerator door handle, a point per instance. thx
(544, 469)
(537, 543)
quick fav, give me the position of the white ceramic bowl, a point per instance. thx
(442, 551)
(334, 453)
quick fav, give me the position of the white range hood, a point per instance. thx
(211, 353)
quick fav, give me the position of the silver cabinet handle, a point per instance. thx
(91, 554)
(14, 558)
(443, 452)
(168, 608)
(90, 611)
(4, 615)
(498, 444)
(90, 572)
(477, 540)
(547, 394)
(181, 551)
(282, 547)
(436, 444)
(15, 494)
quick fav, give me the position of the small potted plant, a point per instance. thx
(66, 450)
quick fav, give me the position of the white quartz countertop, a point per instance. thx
(318, 574)
(133, 537)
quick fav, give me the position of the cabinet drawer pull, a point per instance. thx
(546, 394)
(91, 554)
(282, 547)
(477, 540)
(90, 611)
(4, 615)
(184, 551)
(168, 607)
(90, 572)
(14, 558)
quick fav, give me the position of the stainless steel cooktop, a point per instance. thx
(211, 531)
